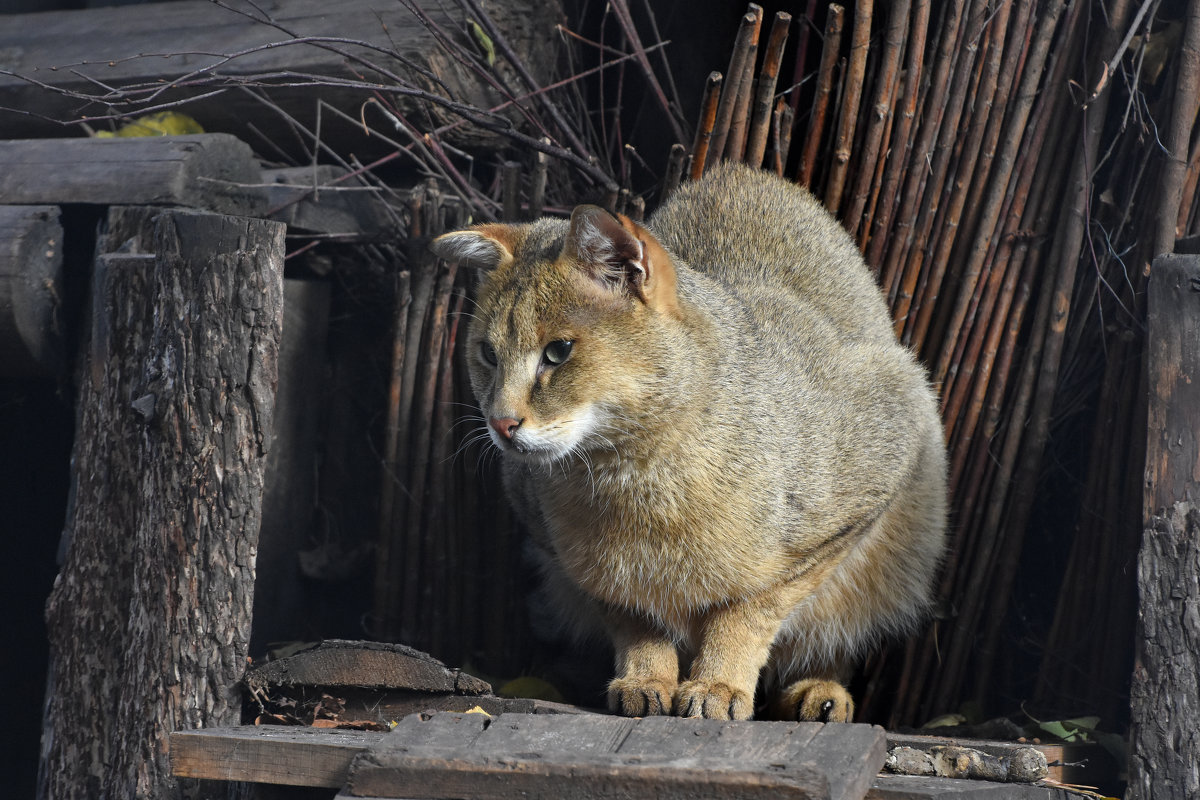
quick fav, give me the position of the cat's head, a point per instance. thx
(564, 340)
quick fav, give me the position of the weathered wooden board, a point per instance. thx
(212, 172)
(1165, 693)
(291, 756)
(908, 787)
(31, 290)
(324, 200)
(164, 52)
(337, 662)
(449, 755)
(322, 757)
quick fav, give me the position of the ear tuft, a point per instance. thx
(483, 247)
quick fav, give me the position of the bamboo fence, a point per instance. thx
(1009, 170)
(1010, 186)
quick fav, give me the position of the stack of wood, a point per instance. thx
(1010, 172)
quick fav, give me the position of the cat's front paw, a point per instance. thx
(817, 700)
(713, 700)
(637, 697)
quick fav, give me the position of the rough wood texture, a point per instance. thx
(149, 618)
(31, 290)
(322, 758)
(324, 200)
(908, 787)
(1165, 692)
(468, 755)
(292, 756)
(336, 662)
(192, 40)
(211, 171)
(1059, 755)
(289, 498)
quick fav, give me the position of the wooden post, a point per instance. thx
(1165, 692)
(149, 618)
(31, 239)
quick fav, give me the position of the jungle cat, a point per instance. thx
(728, 462)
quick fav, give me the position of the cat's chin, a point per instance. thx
(532, 453)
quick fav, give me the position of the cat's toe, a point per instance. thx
(713, 700)
(816, 700)
(635, 697)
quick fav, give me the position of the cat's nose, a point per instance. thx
(505, 426)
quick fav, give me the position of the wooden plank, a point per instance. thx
(1164, 692)
(51, 58)
(31, 291)
(600, 756)
(212, 172)
(320, 757)
(282, 599)
(852, 753)
(338, 662)
(292, 756)
(323, 200)
(911, 787)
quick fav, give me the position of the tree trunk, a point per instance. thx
(149, 618)
(1165, 693)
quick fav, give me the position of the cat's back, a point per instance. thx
(757, 234)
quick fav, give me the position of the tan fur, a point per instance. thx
(738, 472)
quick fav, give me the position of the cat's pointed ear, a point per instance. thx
(482, 247)
(619, 253)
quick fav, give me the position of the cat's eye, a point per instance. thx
(557, 352)
(487, 352)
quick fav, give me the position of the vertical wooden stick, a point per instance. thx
(760, 123)
(704, 130)
(816, 123)
(856, 70)
(735, 145)
(747, 36)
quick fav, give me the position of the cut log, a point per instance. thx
(1165, 691)
(149, 618)
(166, 52)
(377, 665)
(31, 291)
(213, 172)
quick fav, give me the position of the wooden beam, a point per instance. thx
(323, 758)
(1165, 692)
(31, 291)
(519, 756)
(323, 200)
(175, 49)
(911, 787)
(212, 172)
(292, 756)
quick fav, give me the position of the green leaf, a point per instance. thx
(486, 45)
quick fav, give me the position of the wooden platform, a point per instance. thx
(444, 755)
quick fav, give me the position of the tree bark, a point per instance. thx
(1165, 692)
(149, 618)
